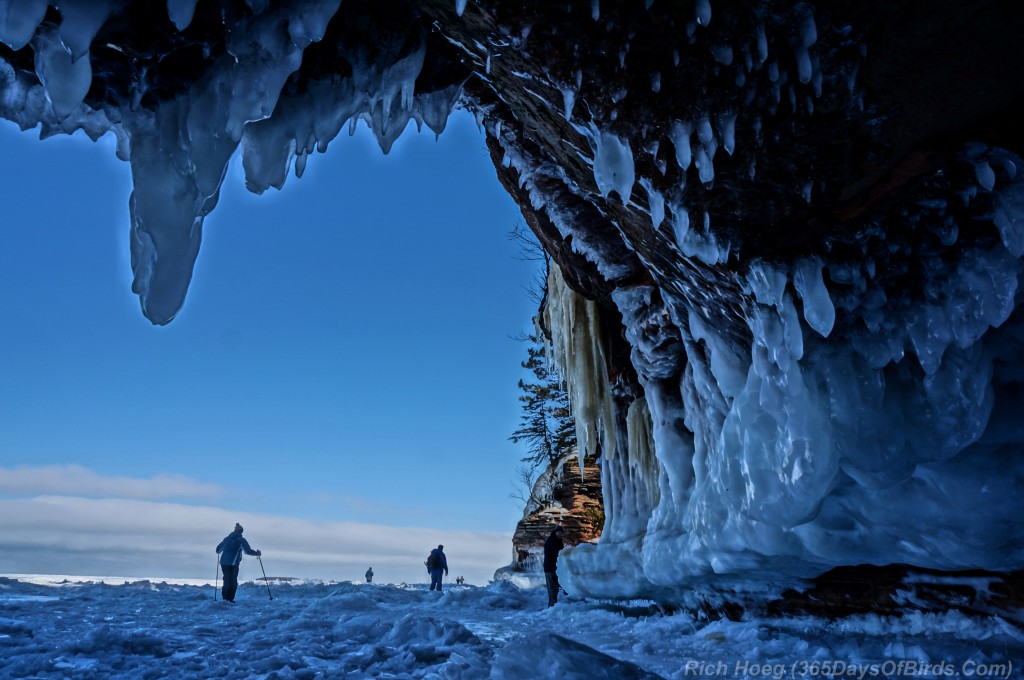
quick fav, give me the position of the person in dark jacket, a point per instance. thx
(436, 564)
(230, 551)
(552, 546)
(369, 575)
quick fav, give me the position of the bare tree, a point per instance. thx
(530, 250)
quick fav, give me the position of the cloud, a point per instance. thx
(132, 537)
(75, 480)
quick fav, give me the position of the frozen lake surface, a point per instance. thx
(56, 628)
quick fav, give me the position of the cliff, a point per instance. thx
(570, 500)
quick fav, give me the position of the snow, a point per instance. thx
(56, 627)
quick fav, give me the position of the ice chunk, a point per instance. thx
(819, 311)
(613, 166)
(19, 20)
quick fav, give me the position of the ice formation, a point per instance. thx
(798, 353)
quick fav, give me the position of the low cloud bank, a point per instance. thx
(76, 480)
(71, 534)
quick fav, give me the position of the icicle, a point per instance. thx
(722, 54)
(803, 64)
(577, 352)
(703, 12)
(181, 12)
(66, 81)
(613, 166)
(595, 9)
(680, 134)
(808, 30)
(641, 452)
(819, 312)
(656, 202)
(762, 44)
(729, 133)
(17, 26)
(704, 132)
(985, 175)
(460, 7)
(568, 101)
(80, 22)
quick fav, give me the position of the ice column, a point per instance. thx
(577, 351)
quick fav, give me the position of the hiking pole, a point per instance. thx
(265, 576)
(216, 579)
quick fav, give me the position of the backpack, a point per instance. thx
(433, 561)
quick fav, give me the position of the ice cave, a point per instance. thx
(788, 236)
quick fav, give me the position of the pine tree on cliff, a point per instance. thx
(546, 425)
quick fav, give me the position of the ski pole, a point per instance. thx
(216, 579)
(265, 576)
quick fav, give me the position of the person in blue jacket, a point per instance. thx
(230, 551)
(436, 564)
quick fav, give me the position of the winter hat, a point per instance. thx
(238, 527)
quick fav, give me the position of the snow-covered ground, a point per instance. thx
(55, 628)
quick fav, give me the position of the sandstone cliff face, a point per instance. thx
(568, 499)
(574, 504)
(788, 238)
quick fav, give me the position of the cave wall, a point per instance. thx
(804, 222)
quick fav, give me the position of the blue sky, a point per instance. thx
(344, 355)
